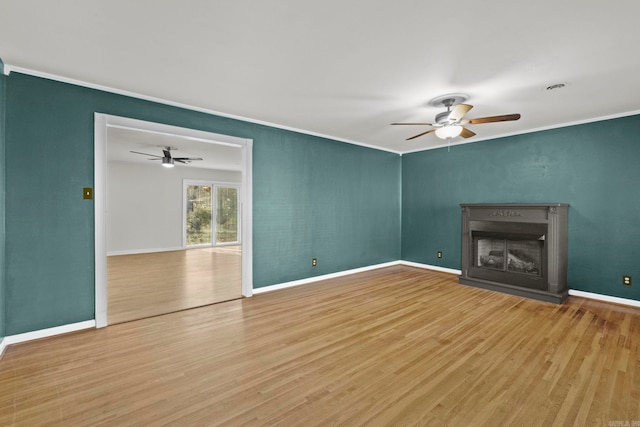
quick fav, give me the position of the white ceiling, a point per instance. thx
(121, 141)
(344, 69)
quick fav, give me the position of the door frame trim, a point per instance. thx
(104, 121)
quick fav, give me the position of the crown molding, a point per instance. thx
(8, 68)
(539, 129)
(11, 68)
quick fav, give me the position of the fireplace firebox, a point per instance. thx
(520, 249)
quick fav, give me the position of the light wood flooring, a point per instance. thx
(397, 346)
(144, 285)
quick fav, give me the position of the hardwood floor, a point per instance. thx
(396, 346)
(144, 285)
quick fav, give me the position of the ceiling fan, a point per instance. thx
(167, 160)
(450, 124)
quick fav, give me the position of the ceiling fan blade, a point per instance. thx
(420, 134)
(459, 111)
(492, 119)
(414, 124)
(466, 133)
(145, 154)
(187, 158)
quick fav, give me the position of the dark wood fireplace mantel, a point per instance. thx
(520, 249)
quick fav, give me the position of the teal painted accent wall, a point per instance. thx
(349, 206)
(593, 167)
(325, 199)
(312, 197)
(2, 197)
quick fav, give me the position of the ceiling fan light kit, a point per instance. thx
(167, 162)
(449, 124)
(449, 131)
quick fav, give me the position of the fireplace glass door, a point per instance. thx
(520, 256)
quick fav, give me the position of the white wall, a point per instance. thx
(144, 204)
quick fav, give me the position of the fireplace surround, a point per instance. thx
(519, 249)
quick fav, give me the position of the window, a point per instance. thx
(211, 214)
(227, 215)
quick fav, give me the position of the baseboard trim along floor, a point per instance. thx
(44, 333)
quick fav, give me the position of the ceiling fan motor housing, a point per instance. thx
(447, 101)
(442, 118)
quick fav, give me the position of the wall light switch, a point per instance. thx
(87, 193)
(626, 280)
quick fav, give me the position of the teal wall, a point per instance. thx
(334, 201)
(347, 205)
(313, 197)
(593, 167)
(2, 210)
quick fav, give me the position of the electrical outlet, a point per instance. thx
(439, 254)
(626, 280)
(314, 262)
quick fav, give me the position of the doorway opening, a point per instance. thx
(160, 227)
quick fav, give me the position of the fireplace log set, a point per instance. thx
(520, 249)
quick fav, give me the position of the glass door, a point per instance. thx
(198, 215)
(212, 215)
(227, 215)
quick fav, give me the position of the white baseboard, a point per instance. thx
(582, 294)
(144, 251)
(430, 267)
(590, 295)
(43, 333)
(353, 271)
(606, 298)
(323, 277)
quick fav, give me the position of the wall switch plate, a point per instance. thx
(439, 254)
(626, 280)
(87, 193)
(314, 262)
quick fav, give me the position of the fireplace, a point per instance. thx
(520, 249)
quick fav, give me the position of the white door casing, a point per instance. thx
(104, 121)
